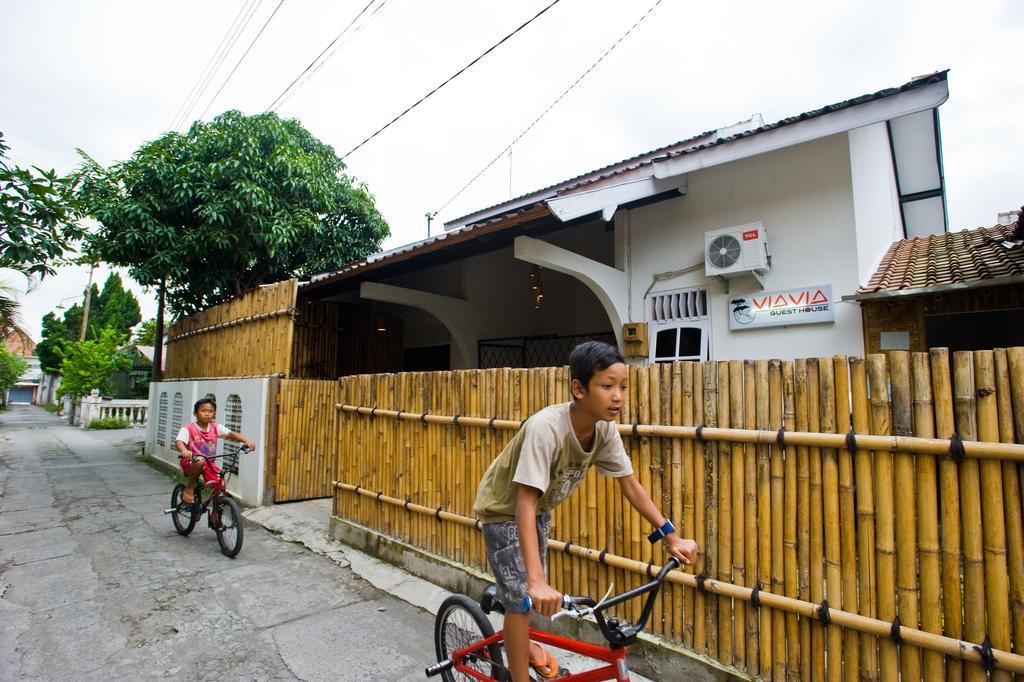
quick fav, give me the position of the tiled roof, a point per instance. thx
(704, 141)
(948, 261)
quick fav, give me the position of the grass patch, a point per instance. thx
(163, 467)
(52, 409)
(108, 423)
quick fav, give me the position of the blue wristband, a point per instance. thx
(660, 533)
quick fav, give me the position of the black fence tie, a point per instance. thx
(823, 612)
(650, 565)
(988, 659)
(406, 503)
(455, 420)
(755, 595)
(851, 441)
(437, 512)
(700, 433)
(423, 418)
(357, 490)
(566, 546)
(956, 448)
(398, 416)
(780, 437)
(601, 556)
(379, 494)
(373, 411)
(479, 526)
(636, 430)
(894, 631)
(701, 577)
(490, 422)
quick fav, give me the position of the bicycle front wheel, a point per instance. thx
(184, 515)
(460, 623)
(229, 526)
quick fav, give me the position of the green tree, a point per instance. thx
(233, 203)
(11, 369)
(37, 216)
(145, 333)
(88, 365)
(110, 307)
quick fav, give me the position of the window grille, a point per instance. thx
(161, 421)
(177, 409)
(534, 351)
(233, 421)
(680, 325)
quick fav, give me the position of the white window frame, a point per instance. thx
(678, 309)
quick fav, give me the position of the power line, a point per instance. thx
(450, 79)
(343, 43)
(244, 55)
(188, 97)
(336, 38)
(549, 107)
(224, 55)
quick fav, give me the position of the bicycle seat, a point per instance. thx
(489, 601)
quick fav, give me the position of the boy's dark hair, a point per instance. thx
(590, 357)
(204, 401)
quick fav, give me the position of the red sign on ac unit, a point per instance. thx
(749, 235)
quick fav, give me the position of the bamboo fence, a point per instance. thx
(857, 518)
(305, 454)
(246, 336)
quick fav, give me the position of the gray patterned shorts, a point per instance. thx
(505, 557)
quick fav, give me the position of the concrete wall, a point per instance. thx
(164, 423)
(804, 197)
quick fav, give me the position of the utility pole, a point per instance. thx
(88, 298)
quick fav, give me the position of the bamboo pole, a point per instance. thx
(906, 521)
(752, 634)
(1004, 660)
(711, 474)
(997, 597)
(830, 502)
(933, 666)
(1012, 493)
(884, 530)
(764, 516)
(775, 421)
(817, 536)
(739, 575)
(803, 517)
(970, 508)
(790, 522)
(726, 640)
(847, 517)
(949, 494)
(700, 504)
(934, 446)
(685, 396)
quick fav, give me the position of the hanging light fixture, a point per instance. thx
(536, 286)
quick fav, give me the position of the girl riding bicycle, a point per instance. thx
(197, 441)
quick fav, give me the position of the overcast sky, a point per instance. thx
(108, 76)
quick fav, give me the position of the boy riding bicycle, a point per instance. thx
(545, 462)
(197, 441)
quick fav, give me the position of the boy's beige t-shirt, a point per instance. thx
(546, 455)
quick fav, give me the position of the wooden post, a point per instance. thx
(1006, 382)
(803, 477)
(847, 518)
(867, 593)
(790, 523)
(711, 477)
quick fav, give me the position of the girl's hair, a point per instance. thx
(590, 357)
(204, 401)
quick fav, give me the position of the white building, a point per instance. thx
(736, 243)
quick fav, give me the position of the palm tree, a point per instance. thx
(8, 309)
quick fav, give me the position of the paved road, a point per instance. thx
(95, 583)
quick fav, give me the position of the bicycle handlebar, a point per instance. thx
(616, 634)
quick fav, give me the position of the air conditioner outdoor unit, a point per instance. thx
(737, 251)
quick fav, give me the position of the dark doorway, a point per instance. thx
(427, 359)
(975, 331)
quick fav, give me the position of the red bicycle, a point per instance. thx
(223, 514)
(469, 649)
